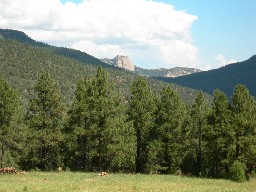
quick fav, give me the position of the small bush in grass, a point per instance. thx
(253, 174)
(237, 172)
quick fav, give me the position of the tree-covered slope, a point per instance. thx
(71, 53)
(21, 63)
(224, 78)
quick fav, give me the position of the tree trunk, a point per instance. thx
(2, 155)
(199, 155)
(100, 154)
(237, 146)
(138, 152)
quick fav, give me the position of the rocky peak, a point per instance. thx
(120, 61)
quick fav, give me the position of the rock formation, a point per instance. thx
(120, 61)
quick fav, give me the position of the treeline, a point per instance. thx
(147, 133)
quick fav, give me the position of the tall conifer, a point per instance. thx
(142, 107)
(219, 136)
(104, 138)
(45, 117)
(170, 121)
(243, 124)
(12, 128)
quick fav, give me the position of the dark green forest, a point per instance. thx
(149, 132)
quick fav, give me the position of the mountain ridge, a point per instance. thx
(224, 78)
(20, 64)
(164, 72)
(120, 61)
(124, 62)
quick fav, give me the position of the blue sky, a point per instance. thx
(154, 34)
(225, 27)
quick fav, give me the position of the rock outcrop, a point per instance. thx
(181, 71)
(162, 72)
(124, 62)
(120, 61)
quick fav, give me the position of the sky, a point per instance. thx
(204, 34)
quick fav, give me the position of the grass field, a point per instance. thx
(68, 181)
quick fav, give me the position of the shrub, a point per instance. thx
(237, 172)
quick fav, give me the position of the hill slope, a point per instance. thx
(67, 52)
(224, 78)
(20, 65)
(122, 62)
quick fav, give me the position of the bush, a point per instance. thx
(237, 172)
(253, 174)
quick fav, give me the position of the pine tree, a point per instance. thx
(219, 136)
(142, 107)
(199, 115)
(98, 119)
(244, 123)
(45, 118)
(171, 115)
(12, 128)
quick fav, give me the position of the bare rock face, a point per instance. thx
(121, 61)
(124, 62)
(181, 71)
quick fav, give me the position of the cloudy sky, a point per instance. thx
(153, 33)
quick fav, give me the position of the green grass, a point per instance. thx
(68, 181)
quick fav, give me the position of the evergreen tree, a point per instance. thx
(142, 107)
(199, 115)
(45, 117)
(244, 123)
(12, 129)
(77, 140)
(171, 115)
(219, 138)
(98, 119)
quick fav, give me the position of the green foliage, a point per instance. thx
(45, 118)
(199, 115)
(219, 136)
(243, 122)
(142, 108)
(170, 118)
(103, 139)
(12, 128)
(237, 172)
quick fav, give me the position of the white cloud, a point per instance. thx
(222, 61)
(153, 34)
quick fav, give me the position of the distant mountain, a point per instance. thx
(224, 78)
(120, 61)
(124, 62)
(20, 64)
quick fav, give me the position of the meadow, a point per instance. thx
(85, 182)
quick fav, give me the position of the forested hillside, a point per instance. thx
(71, 53)
(20, 65)
(224, 78)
